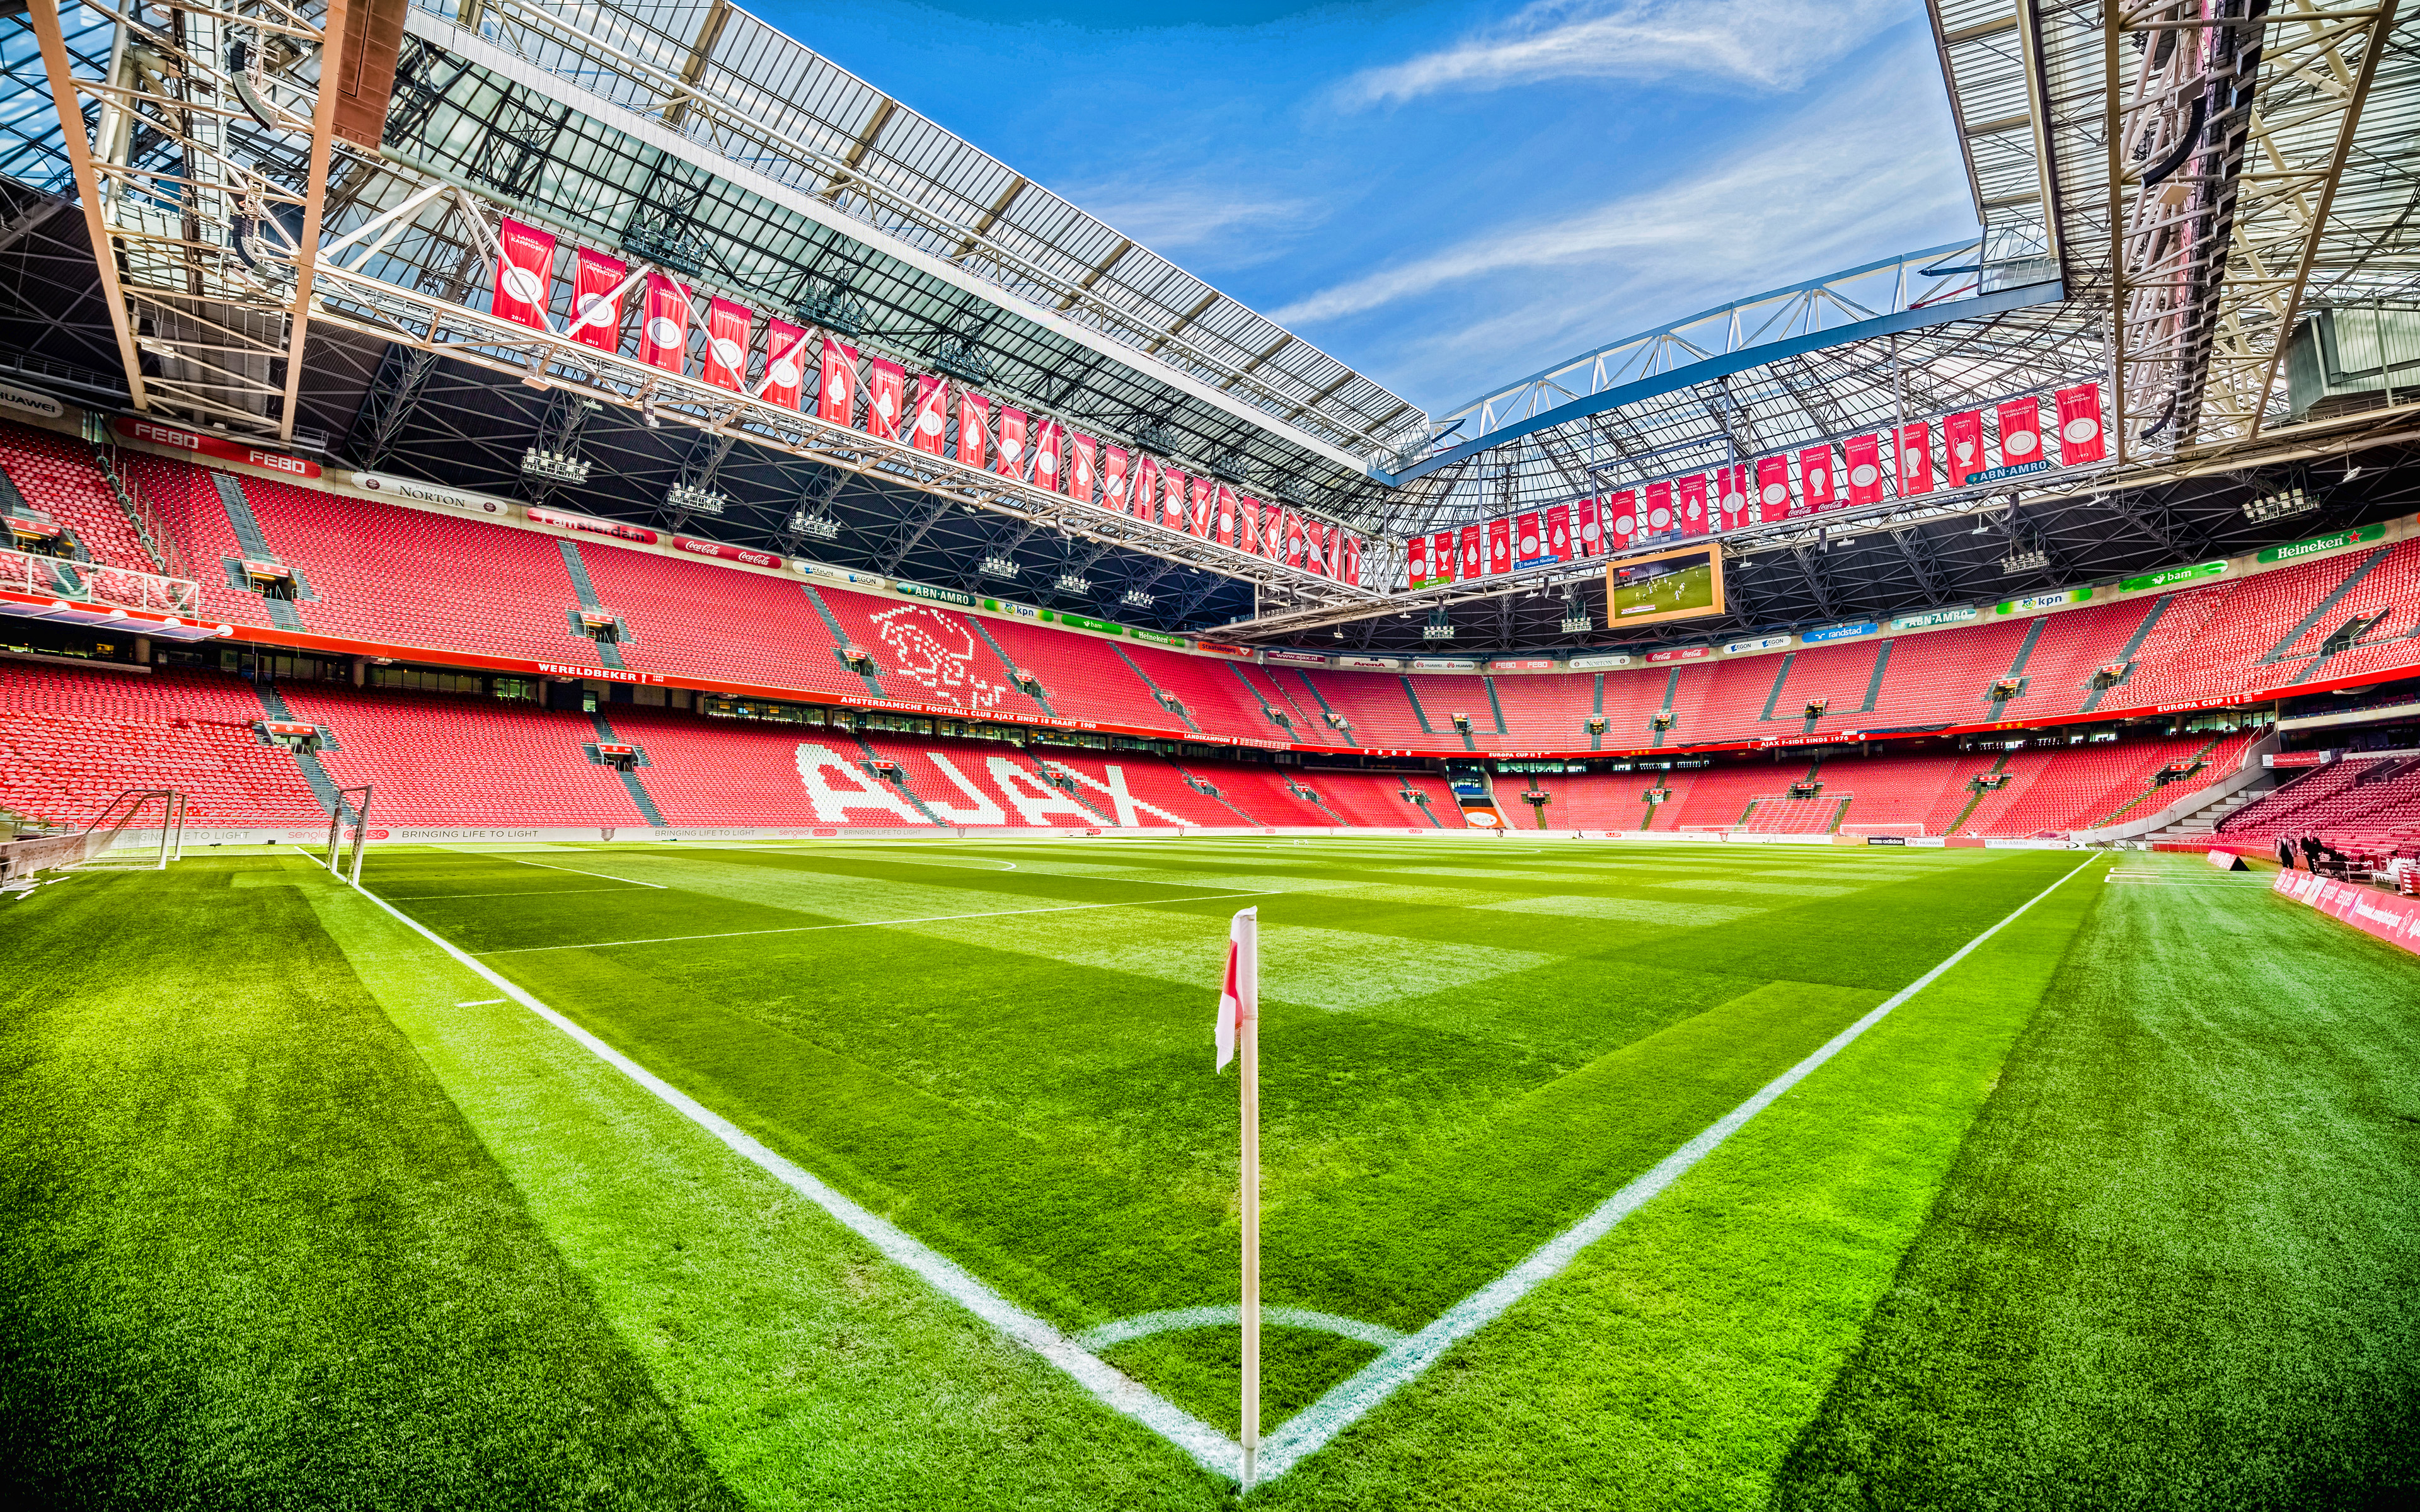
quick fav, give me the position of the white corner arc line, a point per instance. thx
(1222, 1315)
(1346, 1402)
(1208, 1447)
(874, 923)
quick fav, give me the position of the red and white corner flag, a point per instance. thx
(1239, 1013)
(1239, 999)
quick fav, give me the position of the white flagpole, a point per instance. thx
(1248, 975)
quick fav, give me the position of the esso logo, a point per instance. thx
(2081, 429)
(523, 285)
(2022, 443)
(1864, 474)
(664, 330)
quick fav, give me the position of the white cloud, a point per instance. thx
(1845, 173)
(1167, 217)
(1731, 43)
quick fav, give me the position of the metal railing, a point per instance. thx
(98, 583)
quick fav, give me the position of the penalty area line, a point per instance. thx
(878, 923)
(1345, 1404)
(1114, 1389)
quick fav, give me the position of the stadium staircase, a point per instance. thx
(274, 706)
(609, 652)
(840, 641)
(1167, 699)
(639, 795)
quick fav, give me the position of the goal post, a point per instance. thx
(358, 815)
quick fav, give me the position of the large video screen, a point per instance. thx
(1680, 584)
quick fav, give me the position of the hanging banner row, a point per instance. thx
(1763, 492)
(967, 427)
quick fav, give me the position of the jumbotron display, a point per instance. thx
(1680, 584)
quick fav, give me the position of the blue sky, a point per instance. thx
(1449, 196)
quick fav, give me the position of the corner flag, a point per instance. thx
(1239, 999)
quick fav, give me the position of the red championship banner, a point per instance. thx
(1865, 468)
(1559, 532)
(1732, 488)
(974, 416)
(931, 431)
(1416, 562)
(1621, 520)
(1773, 488)
(1199, 499)
(1655, 514)
(597, 283)
(663, 325)
(1915, 459)
(1314, 547)
(1083, 466)
(1226, 507)
(1350, 567)
(836, 385)
(1443, 557)
(524, 274)
(1529, 538)
(1144, 488)
(1691, 509)
(785, 363)
(1293, 539)
(1499, 545)
(2020, 432)
(2079, 438)
(1113, 479)
(1962, 447)
(1249, 535)
(886, 399)
(726, 343)
(1049, 443)
(1009, 460)
(1588, 533)
(1171, 498)
(1817, 479)
(1474, 554)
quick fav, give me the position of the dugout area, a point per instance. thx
(302, 1209)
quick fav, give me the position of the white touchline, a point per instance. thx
(1209, 1448)
(552, 867)
(875, 924)
(1345, 1403)
(526, 892)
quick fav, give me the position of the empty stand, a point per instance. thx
(443, 761)
(71, 740)
(57, 477)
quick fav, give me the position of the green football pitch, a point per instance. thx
(897, 1176)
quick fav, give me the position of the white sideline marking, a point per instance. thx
(552, 867)
(1209, 1448)
(1144, 1325)
(482, 1002)
(875, 924)
(1345, 1403)
(544, 892)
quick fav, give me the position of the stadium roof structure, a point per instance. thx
(688, 138)
(2258, 169)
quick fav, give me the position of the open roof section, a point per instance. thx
(731, 94)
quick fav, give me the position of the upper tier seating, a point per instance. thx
(1082, 676)
(57, 477)
(439, 759)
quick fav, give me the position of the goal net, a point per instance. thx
(1859, 830)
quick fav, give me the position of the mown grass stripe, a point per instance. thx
(1346, 1403)
(1209, 1448)
(872, 923)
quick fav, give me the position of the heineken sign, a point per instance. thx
(2172, 577)
(2323, 543)
(1155, 638)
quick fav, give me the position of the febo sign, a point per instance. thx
(727, 553)
(208, 445)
